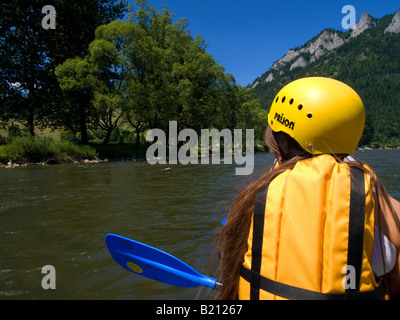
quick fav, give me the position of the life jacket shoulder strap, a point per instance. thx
(258, 230)
(356, 228)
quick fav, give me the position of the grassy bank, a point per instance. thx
(51, 150)
(30, 149)
(54, 147)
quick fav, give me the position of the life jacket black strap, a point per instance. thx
(354, 258)
(295, 293)
(258, 231)
(356, 229)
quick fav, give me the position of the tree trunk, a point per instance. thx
(83, 127)
(108, 136)
(30, 117)
(137, 144)
(30, 104)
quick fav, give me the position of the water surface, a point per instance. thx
(59, 215)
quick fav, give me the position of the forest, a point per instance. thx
(106, 79)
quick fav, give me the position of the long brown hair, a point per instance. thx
(232, 244)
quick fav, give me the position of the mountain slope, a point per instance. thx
(367, 58)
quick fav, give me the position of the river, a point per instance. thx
(59, 215)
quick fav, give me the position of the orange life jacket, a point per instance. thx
(312, 235)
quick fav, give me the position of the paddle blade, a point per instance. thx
(155, 264)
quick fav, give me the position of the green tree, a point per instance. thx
(23, 63)
(29, 54)
(174, 76)
(149, 71)
(98, 80)
(250, 115)
(76, 78)
(108, 52)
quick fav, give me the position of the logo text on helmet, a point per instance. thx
(286, 122)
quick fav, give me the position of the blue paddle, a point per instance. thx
(155, 264)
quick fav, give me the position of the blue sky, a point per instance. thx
(248, 36)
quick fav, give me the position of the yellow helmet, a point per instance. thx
(323, 115)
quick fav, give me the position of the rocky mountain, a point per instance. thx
(327, 40)
(366, 57)
(366, 22)
(394, 26)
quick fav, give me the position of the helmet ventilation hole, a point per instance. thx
(283, 99)
(300, 107)
(309, 116)
(291, 101)
(277, 99)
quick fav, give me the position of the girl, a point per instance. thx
(319, 224)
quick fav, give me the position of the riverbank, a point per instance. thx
(29, 151)
(41, 151)
(123, 156)
(11, 164)
(66, 160)
(380, 148)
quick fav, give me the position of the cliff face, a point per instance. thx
(394, 26)
(311, 52)
(326, 41)
(366, 22)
